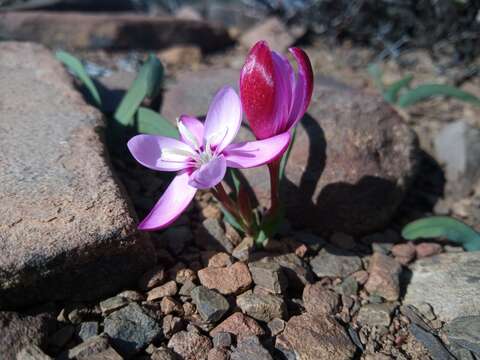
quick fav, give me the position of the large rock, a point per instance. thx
(17, 331)
(448, 282)
(310, 337)
(109, 31)
(352, 161)
(66, 228)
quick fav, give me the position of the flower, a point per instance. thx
(201, 155)
(273, 98)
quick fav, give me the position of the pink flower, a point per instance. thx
(273, 98)
(201, 156)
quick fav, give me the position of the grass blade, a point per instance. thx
(147, 84)
(426, 91)
(151, 122)
(76, 67)
(443, 226)
(392, 91)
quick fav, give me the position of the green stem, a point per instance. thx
(222, 196)
(274, 169)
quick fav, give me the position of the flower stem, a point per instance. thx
(222, 196)
(274, 169)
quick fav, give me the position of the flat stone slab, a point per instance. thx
(76, 30)
(450, 283)
(66, 228)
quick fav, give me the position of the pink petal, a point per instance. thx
(303, 87)
(209, 174)
(224, 118)
(147, 150)
(255, 153)
(172, 203)
(257, 90)
(284, 82)
(195, 126)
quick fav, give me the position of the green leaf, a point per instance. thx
(392, 91)
(236, 181)
(147, 84)
(77, 68)
(443, 226)
(151, 122)
(426, 91)
(376, 74)
(283, 162)
(229, 218)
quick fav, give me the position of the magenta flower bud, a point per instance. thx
(273, 97)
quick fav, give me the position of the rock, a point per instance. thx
(32, 352)
(313, 337)
(404, 253)
(219, 354)
(132, 295)
(170, 325)
(58, 211)
(335, 263)
(262, 307)
(185, 275)
(131, 329)
(89, 348)
(319, 301)
(366, 168)
(187, 288)
(384, 277)
(375, 314)
(348, 287)
(297, 272)
(273, 30)
(243, 250)
(428, 249)
(343, 241)
(222, 339)
(164, 354)
(431, 343)
(87, 330)
(181, 55)
(190, 345)
(240, 325)
(152, 278)
(465, 332)
(108, 354)
(233, 279)
(210, 305)
(100, 31)
(169, 305)
(361, 276)
(457, 146)
(211, 235)
(111, 304)
(448, 282)
(269, 276)
(61, 336)
(19, 331)
(276, 326)
(167, 289)
(251, 349)
(177, 238)
(220, 260)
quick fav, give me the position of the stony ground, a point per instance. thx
(305, 296)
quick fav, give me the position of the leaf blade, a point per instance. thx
(443, 226)
(151, 122)
(392, 91)
(425, 91)
(77, 68)
(146, 84)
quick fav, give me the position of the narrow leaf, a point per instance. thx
(283, 162)
(76, 67)
(443, 226)
(229, 218)
(147, 84)
(151, 122)
(426, 91)
(392, 91)
(236, 181)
